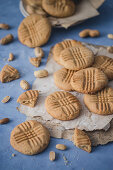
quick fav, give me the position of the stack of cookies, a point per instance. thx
(84, 73)
(55, 8)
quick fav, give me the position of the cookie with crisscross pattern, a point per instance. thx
(28, 98)
(62, 79)
(30, 137)
(81, 140)
(59, 8)
(89, 80)
(62, 105)
(101, 102)
(105, 64)
(34, 30)
(76, 58)
(8, 73)
(59, 47)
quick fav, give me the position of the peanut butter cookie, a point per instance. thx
(105, 64)
(59, 47)
(81, 140)
(89, 80)
(76, 58)
(30, 137)
(62, 79)
(62, 105)
(101, 102)
(59, 8)
(34, 30)
(28, 98)
(8, 73)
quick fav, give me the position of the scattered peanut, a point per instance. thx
(7, 39)
(35, 61)
(110, 36)
(61, 147)
(24, 84)
(5, 99)
(4, 26)
(89, 32)
(52, 156)
(41, 73)
(39, 52)
(11, 57)
(110, 49)
(4, 121)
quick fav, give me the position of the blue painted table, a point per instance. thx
(101, 157)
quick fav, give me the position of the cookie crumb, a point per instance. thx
(65, 159)
(17, 108)
(13, 155)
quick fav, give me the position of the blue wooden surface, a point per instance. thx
(101, 157)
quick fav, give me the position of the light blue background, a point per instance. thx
(101, 157)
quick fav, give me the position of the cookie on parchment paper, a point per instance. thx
(30, 137)
(81, 140)
(105, 64)
(62, 79)
(76, 58)
(63, 105)
(89, 80)
(28, 98)
(59, 47)
(101, 102)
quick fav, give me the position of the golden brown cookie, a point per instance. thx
(62, 79)
(30, 137)
(101, 102)
(28, 98)
(8, 73)
(59, 47)
(105, 64)
(34, 30)
(59, 8)
(62, 105)
(76, 58)
(81, 140)
(89, 80)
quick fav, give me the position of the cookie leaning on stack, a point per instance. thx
(34, 31)
(89, 80)
(76, 58)
(59, 47)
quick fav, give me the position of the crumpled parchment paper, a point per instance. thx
(88, 121)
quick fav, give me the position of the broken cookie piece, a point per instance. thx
(35, 61)
(28, 98)
(8, 73)
(81, 140)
